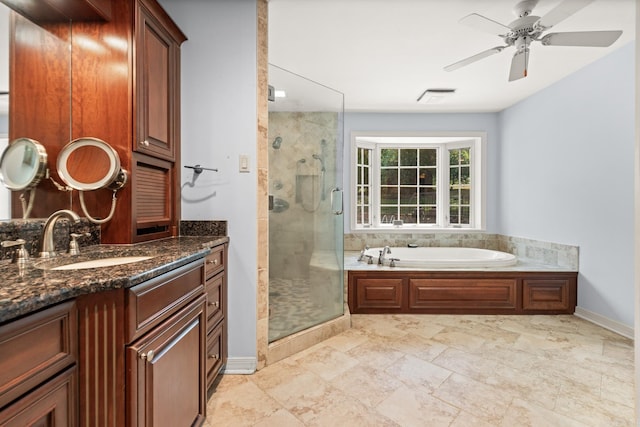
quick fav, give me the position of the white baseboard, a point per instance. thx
(240, 366)
(605, 322)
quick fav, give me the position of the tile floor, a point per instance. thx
(294, 307)
(441, 370)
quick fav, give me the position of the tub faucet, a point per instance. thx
(47, 247)
(383, 252)
(362, 253)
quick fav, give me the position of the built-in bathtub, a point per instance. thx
(440, 257)
(456, 280)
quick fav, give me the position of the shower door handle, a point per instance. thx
(340, 208)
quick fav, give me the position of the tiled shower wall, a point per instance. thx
(526, 249)
(296, 224)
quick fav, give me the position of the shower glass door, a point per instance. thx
(305, 218)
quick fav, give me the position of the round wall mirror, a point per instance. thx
(90, 164)
(23, 164)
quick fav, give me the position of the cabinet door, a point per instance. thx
(51, 404)
(166, 371)
(157, 79)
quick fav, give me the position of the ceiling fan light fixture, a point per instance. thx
(435, 95)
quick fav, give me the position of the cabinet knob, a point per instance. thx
(214, 303)
(144, 143)
(148, 356)
(213, 356)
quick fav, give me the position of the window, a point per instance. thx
(415, 182)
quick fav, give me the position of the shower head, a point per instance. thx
(277, 142)
(320, 159)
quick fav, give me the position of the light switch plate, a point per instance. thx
(244, 163)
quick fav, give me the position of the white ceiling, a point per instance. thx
(383, 54)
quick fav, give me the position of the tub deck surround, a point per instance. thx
(523, 288)
(39, 288)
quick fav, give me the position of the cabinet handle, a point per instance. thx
(213, 261)
(215, 304)
(144, 143)
(213, 356)
(148, 356)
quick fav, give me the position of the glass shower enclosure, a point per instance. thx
(306, 271)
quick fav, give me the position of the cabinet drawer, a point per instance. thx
(379, 294)
(214, 262)
(215, 353)
(215, 298)
(153, 301)
(36, 348)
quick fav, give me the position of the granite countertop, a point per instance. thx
(351, 263)
(37, 288)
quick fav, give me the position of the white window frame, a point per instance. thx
(441, 140)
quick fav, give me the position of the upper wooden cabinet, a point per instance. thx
(157, 83)
(124, 75)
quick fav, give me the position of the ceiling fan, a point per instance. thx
(528, 28)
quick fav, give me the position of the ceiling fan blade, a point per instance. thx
(474, 58)
(485, 24)
(582, 38)
(519, 65)
(561, 12)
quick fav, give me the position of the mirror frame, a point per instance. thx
(38, 170)
(115, 177)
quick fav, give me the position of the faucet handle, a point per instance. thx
(74, 248)
(21, 256)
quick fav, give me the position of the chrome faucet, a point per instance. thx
(363, 253)
(383, 252)
(46, 245)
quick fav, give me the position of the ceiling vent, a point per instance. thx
(435, 95)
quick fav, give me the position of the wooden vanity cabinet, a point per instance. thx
(216, 289)
(142, 352)
(38, 380)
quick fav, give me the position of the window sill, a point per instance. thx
(416, 230)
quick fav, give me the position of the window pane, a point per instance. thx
(408, 177)
(359, 175)
(464, 215)
(365, 178)
(465, 196)
(409, 215)
(388, 214)
(454, 197)
(464, 175)
(454, 157)
(465, 155)
(408, 196)
(408, 157)
(389, 177)
(389, 195)
(428, 157)
(388, 157)
(453, 215)
(428, 215)
(427, 176)
(428, 196)
(453, 176)
(365, 195)
(359, 161)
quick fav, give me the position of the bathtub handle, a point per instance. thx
(341, 207)
(392, 261)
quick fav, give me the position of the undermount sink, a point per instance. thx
(96, 263)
